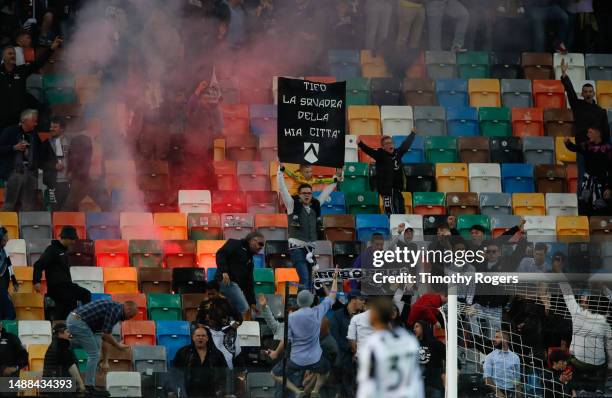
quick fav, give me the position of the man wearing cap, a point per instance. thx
(304, 330)
(55, 263)
(60, 360)
(404, 237)
(13, 356)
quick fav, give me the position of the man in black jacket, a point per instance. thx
(235, 270)
(60, 360)
(60, 288)
(390, 178)
(13, 356)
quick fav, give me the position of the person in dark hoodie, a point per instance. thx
(13, 356)
(390, 178)
(54, 263)
(60, 360)
(432, 354)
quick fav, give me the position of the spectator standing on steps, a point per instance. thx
(437, 10)
(55, 167)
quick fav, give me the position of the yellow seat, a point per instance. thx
(484, 92)
(219, 149)
(364, 119)
(120, 280)
(171, 225)
(24, 276)
(10, 221)
(372, 66)
(604, 93)
(452, 177)
(528, 204)
(29, 306)
(564, 155)
(36, 354)
(572, 228)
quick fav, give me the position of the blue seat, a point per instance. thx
(334, 204)
(173, 335)
(452, 92)
(100, 296)
(517, 178)
(103, 226)
(416, 153)
(369, 224)
(263, 119)
(210, 273)
(344, 64)
(462, 121)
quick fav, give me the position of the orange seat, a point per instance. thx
(121, 280)
(29, 306)
(321, 79)
(373, 141)
(572, 228)
(75, 219)
(139, 298)
(207, 252)
(171, 225)
(548, 94)
(484, 92)
(452, 177)
(572, 177)
(284, 275)
(29, 56)
(179, 253)
(604, 94)
(10, 221)
(2, 196)
(226, 173)
(219, 149)
(271, 221)
(137, 225)
(529, 204)
(527, 122)
(112, 253)
(136, 332)
(24, 276)
(36, 357)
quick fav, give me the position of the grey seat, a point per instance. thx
(495, 204)
(35, 225)
(260, 385)
(35, 248)
(149, 359)
(499, 222)
(441, 64)
(230, 90)
(539, 150)
(237, 225)
(598, 66)
(324, 254)
(516, 93)
(430, 120)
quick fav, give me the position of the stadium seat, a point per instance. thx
(564, 155)
(419, 92)
(364, 119)
(205, 226)
(537, 66)
(527, 122)
(249, 334)
(35, 225)
(494, 122)
(282, 276)
(171, 225)
(356, 178)
(369, 224)
(59, 89)
(120, 280)
(539, 150)
(339, 227)
(140, 300)
(34, 332)
(561, 204)
(164, 307)
(17, 252)
(441, 64)
(452, 93)
(599, 66)
(103, 226)
(241, 147)
(362, 202)
(90, 278)
(194, 201)
(262, 202)
(229, 90)
(452, 177)
(260, 384)
(413, 220)
(112, 253)
(102, 296)
(335, 203)
(173, 335)
(324, 254)
(572, 228)
(575, 62)
(228, 202)
(428, 203)
(462, 121)
(227, 174)
(36, 357)
(268, 147)
(82, 253)
(272, 226)
(548, 94)
(517, 178)
(485, 177)
(502, 223)
(506, 66)
(528, 204)
(516, 93)
(123, 384)
(440, 149)
(572, 178)
(462, 203)
(600, 225)
(149, 359)
(10, 221)
(253, 176)
(188, 280)
(396, 120)
(155, 280)
(372, 66)
(350, 151)
(24, 275)
(420, 177)
(358, 91)
(29, 306)
(145, 253)
(207, 251)
(551, 178)
(473, 149)
(558, 122)
(346, 252)
(10, 326)
(430, 120)
(386, 91)
(473, 64)
(506, 150)
(116, 172)
(416, 152)
(263, 280)
(263, 119)
(153, 175)
(137, 225)
(373, 141)
(604, 93)
(179, 253)
(484, 92)
(235, 119)
(35, 248)
(191, 302)
(465, 223)
(237, 225)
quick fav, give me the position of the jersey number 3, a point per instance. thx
(399, 369)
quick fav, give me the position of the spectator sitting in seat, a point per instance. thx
(60, 360)
(216, 311)
(13, 357)
(7, 311)
(24, 42)
(304, 176)
(502, 367)
(559, 381)
(540, 12)
(55, 153)
(432, 355)
(201, 364)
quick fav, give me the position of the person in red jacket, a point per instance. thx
(426, 309)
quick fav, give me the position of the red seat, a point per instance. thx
(180, 254)
(225, 171)
(527, 122)
(235, 119)
(548, 94)
(138, 332)
(228, 202)
(112, 253)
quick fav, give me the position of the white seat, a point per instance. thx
(275, 85)
(351, 153)
(123, 384)
(248, 333)
(485, 177)
(561, 204)
(415, 221)
(34, 332)
(396, 120)
(16, 250)
(194, 201)
(576, 67)
(541, 228)
(90, 278)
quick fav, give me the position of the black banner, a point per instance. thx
(311, 122)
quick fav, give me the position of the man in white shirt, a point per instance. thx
(359, 330)
(55, 175)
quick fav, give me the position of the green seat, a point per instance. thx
(428, 199)
(495, 122)
(441, 149)
(55, 81)
(264, 280)
(164, 307)
(358, 91)
(356, 177)
(10, 326)
(473, 65)
(465, 222)
(81, 357)
(146, 253)
(365, 202)
(60, 95)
